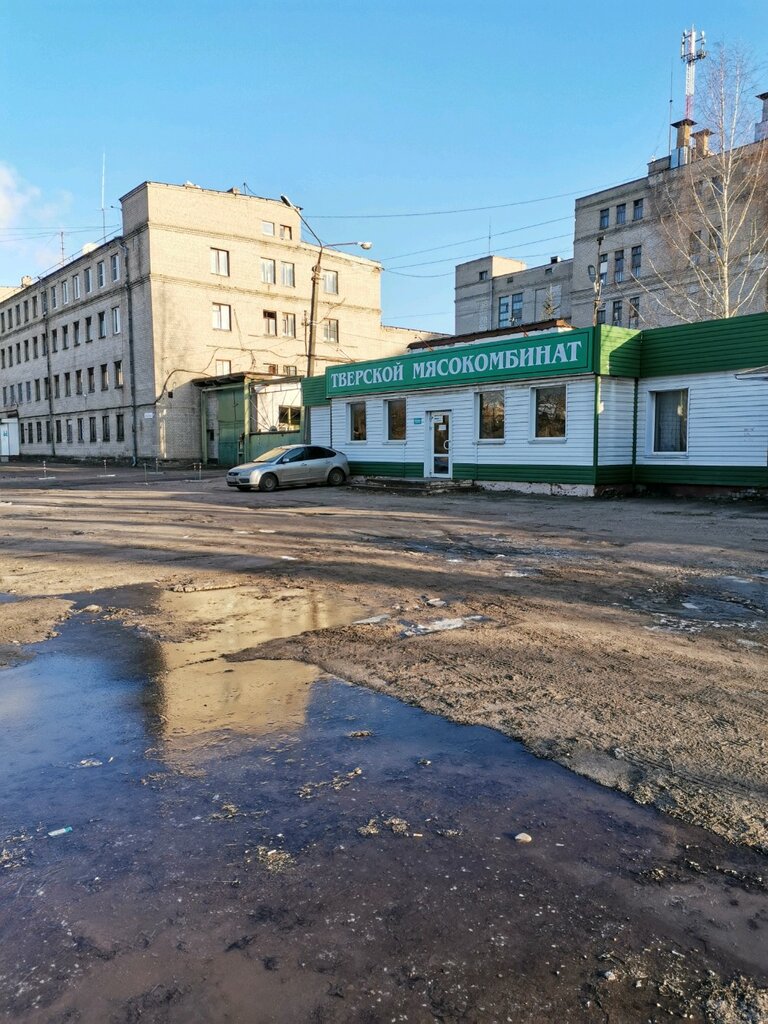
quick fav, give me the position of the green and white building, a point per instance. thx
(565, 411)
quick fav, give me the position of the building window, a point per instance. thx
(76, 333)
(30, 434)
(114, 267)
(100, 275)
(637, 259)
(396, 419)
(617, 312)
(604, 216)
(220, 262)
(286, 232)
(549, 406)
(34, 306)
(115, 319)
(58, 431)
(67, 385)
(267, 271)
(53, 296)
(516, 308)
(64, 291)
(288, 417)
(39, 431)
(64, 336)
(54, 341)
(104, 376)
(13, 394)
(288, 275)
(221, 317)
(26, 350)
(621, 213)
(483, 275)
(637, 209)
(91, 380)
(117, 373)
(28, 389)
(119, 427)
(490, 409)
(357, 421)
(34, 347)
(92, 429)
(670, 420)
(331, 331)
(88, 280)
(37, 390)
(504, 319)
(289, 371)
(80, 432)
(78, 382)
(89, 328)
(331, 282)
(26, 311)
(105, 428)
(618, 266)
(289, 325)
(270, 322)
(223, 367)
(75, 286)
(69, 431)
(56, 386)
(634, 311)
(267, 227)
(102, 325)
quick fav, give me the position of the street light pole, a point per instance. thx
(597, 280)
(313, 301)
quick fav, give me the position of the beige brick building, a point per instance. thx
(96, 356)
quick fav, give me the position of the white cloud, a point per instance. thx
(29, 242)
(16, 196)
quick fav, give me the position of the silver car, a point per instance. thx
(288, 466)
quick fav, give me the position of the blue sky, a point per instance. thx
(355, 110)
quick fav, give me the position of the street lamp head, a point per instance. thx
(592, 273)
(365, 245)
(287, 201)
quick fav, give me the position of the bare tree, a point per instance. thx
(710, 259)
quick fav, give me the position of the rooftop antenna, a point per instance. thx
(103, 207)
(692, 49)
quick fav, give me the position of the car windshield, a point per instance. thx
(272, 454)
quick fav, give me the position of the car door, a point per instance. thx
(293, 468)
(319, 464)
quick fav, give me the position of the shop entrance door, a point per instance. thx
(439, 445)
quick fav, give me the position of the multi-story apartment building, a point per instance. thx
(96, 356)
(651, 264)
(496, 291)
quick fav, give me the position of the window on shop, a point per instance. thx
(357, 427)
(491, 415)
(396, 419)
(550, 411)
(670, 420)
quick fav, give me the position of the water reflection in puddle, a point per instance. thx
(225, 857)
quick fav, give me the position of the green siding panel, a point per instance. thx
(618, 352)
(525, 474)
(402, 469)
(740, 343)
(313, 391)
(614, 474)
(712, 476)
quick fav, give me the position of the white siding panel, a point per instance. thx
(727, 420)
(616, 421)
(320, 424)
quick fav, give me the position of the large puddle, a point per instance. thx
(250, 842)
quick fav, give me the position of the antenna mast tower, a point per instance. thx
(692, 49)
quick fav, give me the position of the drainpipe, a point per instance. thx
(45, 340)
(131, 357)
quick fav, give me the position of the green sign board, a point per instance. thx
(543, 355)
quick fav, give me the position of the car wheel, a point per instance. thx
(336, 477)
(268, 482)
(243, 487)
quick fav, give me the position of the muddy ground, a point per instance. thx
(626, 640)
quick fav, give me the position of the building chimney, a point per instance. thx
(554, 259)
(761, 128)
(681, 154)
(701, 143)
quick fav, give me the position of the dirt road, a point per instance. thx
(626, 640)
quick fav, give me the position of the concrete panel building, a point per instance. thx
(98, 355)
(495, 292)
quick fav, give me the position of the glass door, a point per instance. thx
(440, 444)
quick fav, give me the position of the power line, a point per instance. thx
(450, 273)
(478, 238)
(475, 255)
(466, 209)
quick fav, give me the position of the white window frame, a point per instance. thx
(101, 274)
(88, 280)
(385, 420)
(489, 440)
(357, 401)
(75, 286)
(650, 427)
(64, 291)
(268, 270)
(223, 367)
(221, 321)
(115, 319)
(268, 228)
(532, 438)
(326, 331)
(287, 274)
(220, 262)
(331, 277)
(288, 318)
(114, 266)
